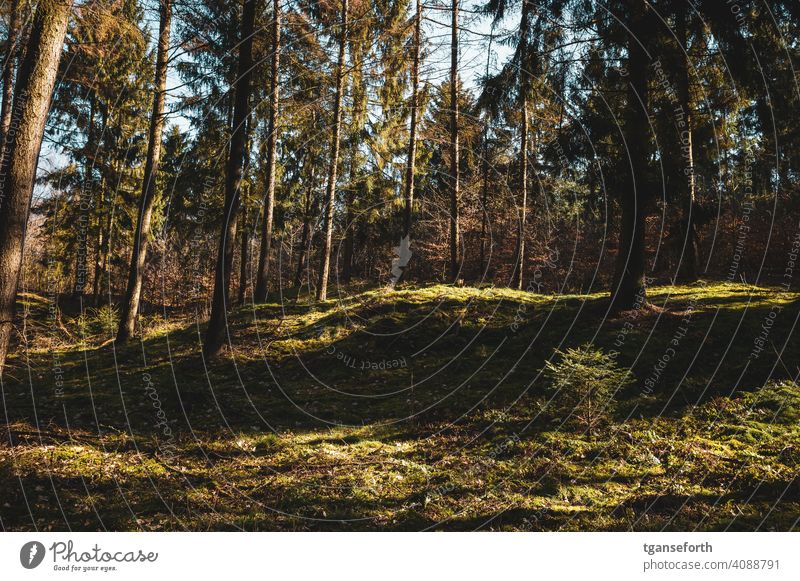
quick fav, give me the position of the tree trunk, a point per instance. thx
(628, 290)
(485, 172)
(244, 257)
(484, 210)
(689, 258)
(130, 304)
(262, 276)
(330, 196)
(455, 166)
(98, 247)
(349, 242)
(301, 258)
(99, 241)
(412, 137)
(347, 252)
(517, 279)
(233, 178)
(84, 218)
(358, 121)
(518, 272)
(305, 237)
(8, 69)
(34, 90)
(109, 229)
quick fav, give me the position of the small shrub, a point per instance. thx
(84, 326)
(106, 319)
(582, 384)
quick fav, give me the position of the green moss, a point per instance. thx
(713, 450)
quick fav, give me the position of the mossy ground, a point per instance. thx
(406, 410)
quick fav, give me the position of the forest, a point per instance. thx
(350, 265)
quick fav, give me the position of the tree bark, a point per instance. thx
(262, 276)
(34, 90)
(629, 289)
(358, 121)
(244, 257)
(106, 247)
(306, 232)
(84, 203)
(8, 68)
(130, 304)
(109, 229)
(349, 242)
(233, 179)
(484, 210)
(106, 267)
(98, 248)
(412, 136)
(100, 239)
(455, 166)
(485, 173)
(301, 257)
(689, 258)
(330, 196)
(518, 273)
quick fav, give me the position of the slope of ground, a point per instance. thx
(409, 409)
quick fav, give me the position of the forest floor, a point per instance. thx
(407, 410)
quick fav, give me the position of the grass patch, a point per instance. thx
(417, 408)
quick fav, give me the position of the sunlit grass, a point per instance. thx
(710, 449)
